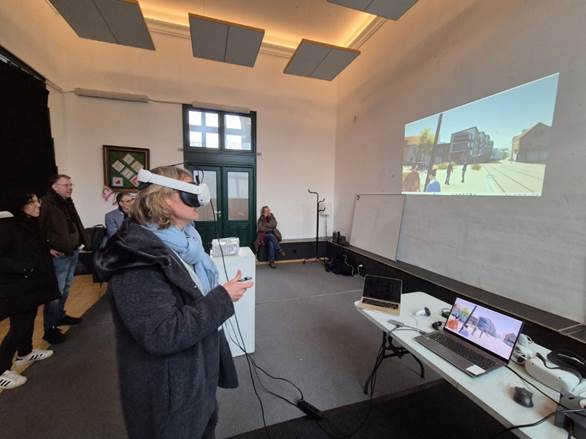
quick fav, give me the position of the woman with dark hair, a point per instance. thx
(268, 235)
(27, 280)
(168, 311)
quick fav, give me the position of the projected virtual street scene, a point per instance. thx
(497, 145)
(486, 328)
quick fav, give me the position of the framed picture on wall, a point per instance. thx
(121, 166)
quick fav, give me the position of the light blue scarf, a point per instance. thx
(188, 245)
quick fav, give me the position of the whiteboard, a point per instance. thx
(376, 224)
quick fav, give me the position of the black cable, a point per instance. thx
(533, 424)
(565, 369)
(257, 367)
(262, 409)
(250, 360)
(533, 385)
(515, 427)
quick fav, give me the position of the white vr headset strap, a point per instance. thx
(202, 191)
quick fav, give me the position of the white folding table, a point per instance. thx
(492, 391)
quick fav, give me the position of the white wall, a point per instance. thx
(295, 116)
(435, 58)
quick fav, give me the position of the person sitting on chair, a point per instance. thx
(268, 235)
(115, 217)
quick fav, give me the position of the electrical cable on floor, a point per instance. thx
(262, 410)
(260, 368)
(252, 364)
(533, 424)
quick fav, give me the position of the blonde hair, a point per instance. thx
(150, 205)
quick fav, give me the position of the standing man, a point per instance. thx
(115, 217)
(464, 170)
(449, 171)
(64, 233)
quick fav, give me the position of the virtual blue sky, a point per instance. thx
(502, 116)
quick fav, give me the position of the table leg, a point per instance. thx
(387, 346)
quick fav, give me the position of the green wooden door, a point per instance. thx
(232, 211)
(210, 216)
(238, 208)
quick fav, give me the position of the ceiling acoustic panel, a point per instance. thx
(243, 45)
(85, 19)
(391, 9)
(111, 21)
(319, 60)
(224, 41)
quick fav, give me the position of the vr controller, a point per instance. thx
(193, 195)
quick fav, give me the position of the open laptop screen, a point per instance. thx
(492, 331)
(383, 288)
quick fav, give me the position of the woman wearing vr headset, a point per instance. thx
(167, 308)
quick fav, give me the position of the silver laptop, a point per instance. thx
(475, 339)
(382, 294)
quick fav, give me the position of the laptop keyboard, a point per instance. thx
(380, 303)
(462, 350)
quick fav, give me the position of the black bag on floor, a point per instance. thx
(339, 264)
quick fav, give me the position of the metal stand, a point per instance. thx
(318, 210)
(394, 351)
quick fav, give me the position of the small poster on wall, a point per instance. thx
(121, 166)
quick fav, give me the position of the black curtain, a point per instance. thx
(27, 158)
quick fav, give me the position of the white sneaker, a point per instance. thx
(11, 380)
(35, 355)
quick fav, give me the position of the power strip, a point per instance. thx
(310, 410)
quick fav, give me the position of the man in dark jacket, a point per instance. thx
(64, 233)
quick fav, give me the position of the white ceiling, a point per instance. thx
(286, 22)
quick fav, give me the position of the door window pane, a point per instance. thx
(238, 132)
(238, 196)
(209, 178)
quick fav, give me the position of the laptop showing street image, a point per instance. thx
(475, 339)
(382, 294)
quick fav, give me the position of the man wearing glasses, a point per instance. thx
(62, 229)
(115, 217)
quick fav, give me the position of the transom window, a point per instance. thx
(213, 129)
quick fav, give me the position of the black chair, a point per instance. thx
(97, 237)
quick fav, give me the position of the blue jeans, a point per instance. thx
(272, 245)
(64, 271)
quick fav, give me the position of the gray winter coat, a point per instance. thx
(171, 356)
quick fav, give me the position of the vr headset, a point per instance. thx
(193, 195)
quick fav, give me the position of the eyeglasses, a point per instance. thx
(64, 184)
